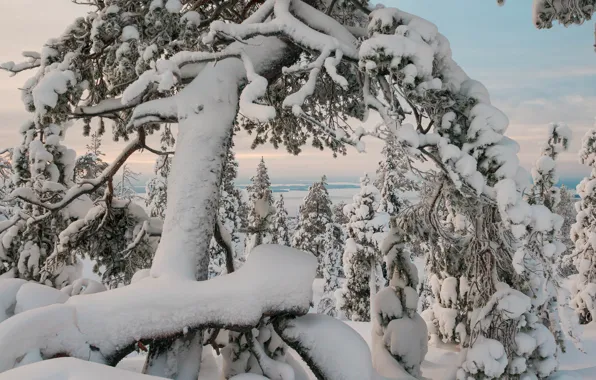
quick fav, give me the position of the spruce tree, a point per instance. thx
(314, 215)
(582, 234)
(281, 233)
(260, 212)
(340, 218)
(333, 242)
(229, 203)
(362, 257)
(544, 192)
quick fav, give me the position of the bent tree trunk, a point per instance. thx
(207, 108)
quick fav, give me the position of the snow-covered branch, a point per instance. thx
(103, 327)
(107, 107)
(87, 186)
(33, 61)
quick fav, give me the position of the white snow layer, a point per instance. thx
(71, 369)
(95, 326)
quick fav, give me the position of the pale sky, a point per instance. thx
(535, 77)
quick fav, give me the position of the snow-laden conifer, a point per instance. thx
(583, 233)
(314, 215)
(331, 267)
(398, 330)
(281, 233)
(362, 257)
(260, 209)
(43, 168)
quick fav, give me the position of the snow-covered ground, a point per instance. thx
(440, 362)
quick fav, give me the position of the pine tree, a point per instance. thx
(260, 211)
(281, 234)
(362, 257)
(334, 243)
(394, 177)
(229, 203)
(314, 215)
(582, 233)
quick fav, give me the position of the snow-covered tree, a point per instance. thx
(544, 192)
(362, 257)
(331, 267)
(582, 233)
(90, 165)
(125, 188)
(229, 222)
(313, 216)
(405, 67)
(260, 212)
(566, 12)
(398, 330)
(342, 220)
(544, 173)
(43, 169)
(281, 233)
(566, 208)
(395, 176)
(338, 214)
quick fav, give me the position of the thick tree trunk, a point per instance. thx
(207, 108)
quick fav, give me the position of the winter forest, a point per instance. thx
(450, 260)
